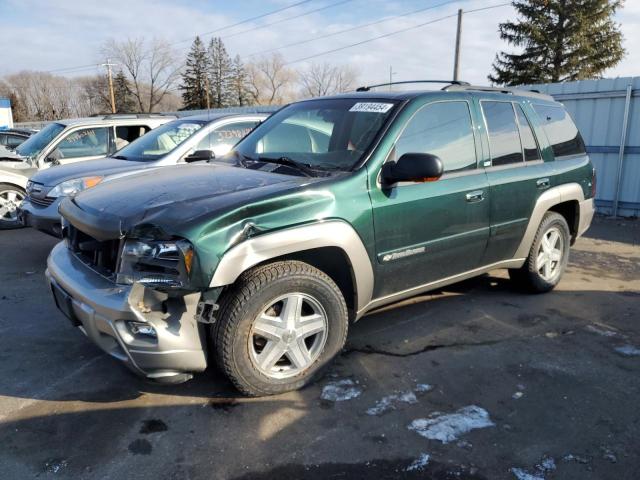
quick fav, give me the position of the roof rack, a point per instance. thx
(130, 115)
(388, 84)
(508, 90)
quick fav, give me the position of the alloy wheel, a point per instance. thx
(10, 200)
(549, 258)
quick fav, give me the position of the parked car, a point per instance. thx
(12, 137)
(63, 142)
(188, 139)
(330, 208)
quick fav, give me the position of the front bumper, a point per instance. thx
(102, 309)
(43, 218)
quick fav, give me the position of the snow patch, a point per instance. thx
(521, 474)
(419, 463)
(546, 465)
(517, 395)
(390, 402)
(448, 427)
(628, 350)
(422, 387)
(601, 331)
(340, 391)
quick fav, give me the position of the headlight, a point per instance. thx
(71, 187)
(161, 264)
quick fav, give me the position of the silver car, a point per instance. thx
(188, 139)
(63, 142)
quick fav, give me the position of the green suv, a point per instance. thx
(258, 261)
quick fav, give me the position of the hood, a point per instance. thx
(7, 155)
(51, 177)
(171, 199)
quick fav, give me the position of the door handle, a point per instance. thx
(543, 183)
(476, 196)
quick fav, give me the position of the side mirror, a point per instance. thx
(413, 167)
(199, 155)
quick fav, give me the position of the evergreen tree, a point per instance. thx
(219, 74)
(125, 103)
(239, 80)
(194, 78)
(561, 40)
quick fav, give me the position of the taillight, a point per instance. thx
(593, 183)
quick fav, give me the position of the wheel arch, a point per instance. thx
(563, 199)
(331, 246)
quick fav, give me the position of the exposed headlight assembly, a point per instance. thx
(71, 187)
(157, 264)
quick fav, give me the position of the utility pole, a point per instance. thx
(456, 60)
(110, 77)
(391, 74)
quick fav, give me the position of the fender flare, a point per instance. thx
(330, 233)
(550, 198)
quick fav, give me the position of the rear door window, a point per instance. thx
(125, 134)
(529, 145)
(562, 133)
(504, 138)
(443, 129)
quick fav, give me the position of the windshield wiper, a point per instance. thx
(120, 157)
(289, 162)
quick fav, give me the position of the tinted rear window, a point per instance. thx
(562, 133)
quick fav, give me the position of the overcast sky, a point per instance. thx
(48, 35)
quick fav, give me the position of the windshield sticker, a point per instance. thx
(371, 107)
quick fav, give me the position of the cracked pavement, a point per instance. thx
(557, 375)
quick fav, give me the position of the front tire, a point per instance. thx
(278, 326)
(548, 256)
(11, 197)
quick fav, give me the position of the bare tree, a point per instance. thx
(152, 68)
(270, 81)
(326, 79)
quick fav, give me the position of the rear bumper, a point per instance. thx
(103, 311)
(43, 218)
(587, 210)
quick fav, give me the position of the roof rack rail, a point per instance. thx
(131, 115)
(508, 90)
(366, 88)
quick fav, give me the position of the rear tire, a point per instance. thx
(11, 197)
(278, 326)
(548, 256)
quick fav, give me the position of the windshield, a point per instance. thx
(31, 147)
(160, 141)
(329, 134)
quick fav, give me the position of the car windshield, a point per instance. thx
(330, 134)
(31, 147)
(159, 141)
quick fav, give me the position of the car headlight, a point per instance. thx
(71, 187)
(159, 264)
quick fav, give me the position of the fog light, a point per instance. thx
(140, 328)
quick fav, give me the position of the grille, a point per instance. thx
(43, 202)
(100, 256)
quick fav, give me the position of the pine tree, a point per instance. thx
(239, 78)
(219, 74)
(194, 78)
(125, 103)
(561, 40)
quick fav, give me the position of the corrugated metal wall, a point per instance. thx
(598, 108)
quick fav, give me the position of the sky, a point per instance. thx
(48, 36)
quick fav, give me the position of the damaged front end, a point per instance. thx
(133, 295)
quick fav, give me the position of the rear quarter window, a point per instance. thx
(562, 133)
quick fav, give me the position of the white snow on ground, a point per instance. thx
(628, 350)
(521, 474)
(517, 395)
(448, 427)
(422, 387)
(340, 391)
(390, 402)
(601, 331)
(419, 463)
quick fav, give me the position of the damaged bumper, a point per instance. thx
(44, 218)
(154, 334)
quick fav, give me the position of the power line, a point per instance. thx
(396, 32)
(351, 29)
(247, 20)
(342, 2)
(79, 67)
